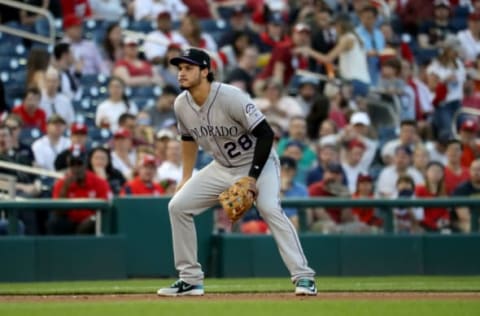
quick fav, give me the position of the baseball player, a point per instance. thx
(224, 122)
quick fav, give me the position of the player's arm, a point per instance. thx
(264, 134)
(189, 156)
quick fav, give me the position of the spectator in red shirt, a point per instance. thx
(470, 146)
(284, 61)
(78, 182)
(132, 70)
(328, 219)
(435, 218)
(455, 173)
(144, 184)
(30, 112)
(365, 191)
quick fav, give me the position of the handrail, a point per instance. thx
(31, 170)
(31, 36)
(399, 202)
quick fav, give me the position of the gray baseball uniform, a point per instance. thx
(222, 126)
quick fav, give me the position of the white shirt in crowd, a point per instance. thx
(111, 111)
(169, 171)
(455, 88)
(149, 9)
(60, 104)
(387, 180)
(107, 10)
(123, 167)
(156, 43)
(351, 173)
(45, 152)
(88, 53)
(353, 63)
(469, 46)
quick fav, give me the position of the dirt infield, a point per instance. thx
(249, 297)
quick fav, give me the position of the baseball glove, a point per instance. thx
(239, 198)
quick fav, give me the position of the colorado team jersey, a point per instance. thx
(222, 126)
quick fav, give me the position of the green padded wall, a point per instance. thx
(146, 225)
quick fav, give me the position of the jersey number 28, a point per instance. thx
(244, 142)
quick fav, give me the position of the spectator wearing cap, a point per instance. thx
(437, 27)
(470, 188)
(401, 165)
(157, 42)
(307, 93)
(470, 39)
(328, 220)
(99, 161)
(78, 137)
(276, 105)
(110, 110)
(290, 188)
(470, 144)
(286, 57)
(412, 13)
(455, 173)
(48, 147)
(436, 219)
(168, 71)
(170, 171)
(408, 137)
(275, 32)
(123, 157)
(53, 101)
(85, 52)
(162, 137)
(359, 129)
(351, 54)
(30, 112)
(351, 162)
(163, 108)
(364, 190)
(132, 70)
(144, 184)
(150, 9)
(77, 183)
(78, 8)
(446, 77)
(243, 75)
(372, 39)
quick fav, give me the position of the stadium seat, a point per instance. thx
(29, 135)
(141, 26)
(216, 28)
(100, 135)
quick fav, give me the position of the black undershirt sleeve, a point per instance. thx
(264, 134)
(188, 138)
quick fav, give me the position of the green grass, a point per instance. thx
(242, 308)
(325, 284)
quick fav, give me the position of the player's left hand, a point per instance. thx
(239, 198)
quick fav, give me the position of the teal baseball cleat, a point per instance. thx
(182, 288)
(305, 287)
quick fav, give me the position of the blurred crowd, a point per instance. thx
(367, 98)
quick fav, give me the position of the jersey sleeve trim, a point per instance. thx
(255, 124)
